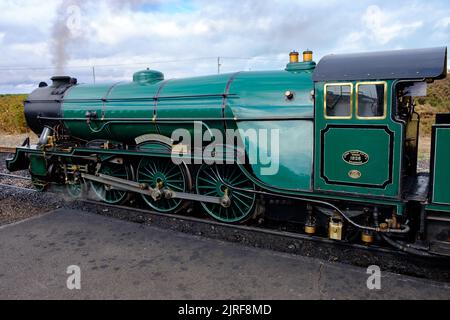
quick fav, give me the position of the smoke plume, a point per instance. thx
(63, 33)
(67, 26)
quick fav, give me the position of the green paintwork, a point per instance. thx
(38, 165)
(251, 95)
(337, 142)
(300, 66)
(437, 207)
(293, 156)
(242, 202)
(371, 136)
(441, 174)
(160, 172)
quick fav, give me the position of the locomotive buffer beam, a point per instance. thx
(156, 194)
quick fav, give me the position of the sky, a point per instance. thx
(39, 39)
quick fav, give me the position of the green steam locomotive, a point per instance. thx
(331, 146)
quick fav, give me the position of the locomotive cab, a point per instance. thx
(367, 129)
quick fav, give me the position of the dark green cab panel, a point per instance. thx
(441, 166)
(354, 154)
(345, 144)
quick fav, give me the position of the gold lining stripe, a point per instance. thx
(384, 102)
(341, 84)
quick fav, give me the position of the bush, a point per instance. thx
(437, 101)
(12, 118)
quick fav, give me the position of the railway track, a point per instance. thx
(205, 221)
(265, 236)
(17, 188)
(12, 176)
(7, 150)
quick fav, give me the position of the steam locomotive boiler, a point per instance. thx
(332, 146)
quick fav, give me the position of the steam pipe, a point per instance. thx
(402, 247)
(43, 139)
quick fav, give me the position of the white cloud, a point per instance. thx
(443, 23)
(385, 27)
(205, 29)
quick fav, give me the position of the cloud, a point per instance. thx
(384, 27)
(443, 23)
(119, 39)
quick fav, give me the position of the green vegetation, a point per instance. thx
(12, 119)
(437, 101)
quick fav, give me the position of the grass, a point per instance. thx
(437, 101)
(12, 119)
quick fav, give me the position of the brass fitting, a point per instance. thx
(335, 228)
(310, 225)
(367, 237)
(293, 57)
(310, 229)
(307, 56)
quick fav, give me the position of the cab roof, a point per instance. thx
(383, 65)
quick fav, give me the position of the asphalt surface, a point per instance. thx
(122, 260)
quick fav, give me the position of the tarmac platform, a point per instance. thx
(122, 260)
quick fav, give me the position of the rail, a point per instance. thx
(7, 149)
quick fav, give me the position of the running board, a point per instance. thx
(155, 194)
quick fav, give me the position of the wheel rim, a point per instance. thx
(242, 203)
(105, 192)
(75, 190)
(162, 173)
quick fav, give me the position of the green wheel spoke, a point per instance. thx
(175, 181)
(149, 170)
(207, 181)
(173, 175)
(175, 187)
(239, 183)
(243, 195)
(213, 179)
(154, 171)
(207, 187)
(111, 195)
(147, 175)
(241, 201)
(209, 184)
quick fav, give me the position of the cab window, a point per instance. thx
(338, 101)
(371, 102)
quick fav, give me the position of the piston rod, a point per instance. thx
(156, 194)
